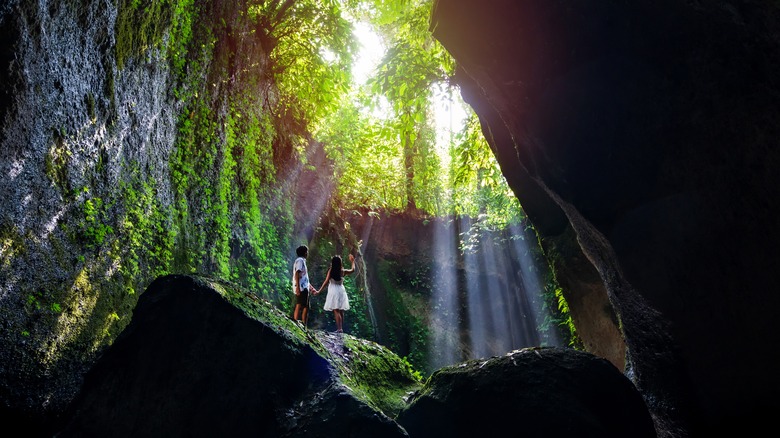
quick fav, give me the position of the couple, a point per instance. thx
(336, 300)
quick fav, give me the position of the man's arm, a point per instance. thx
(297, 282)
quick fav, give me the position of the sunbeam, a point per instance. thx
(444, 335)
(532, 284)
(500, 289)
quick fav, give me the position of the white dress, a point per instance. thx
(337, 295)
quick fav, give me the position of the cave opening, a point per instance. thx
(402, 143)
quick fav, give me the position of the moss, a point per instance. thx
(407, 328)
(264, 311)
(222, 168)
(56, 162)
(89, 100)
(373, 373)
(95, 311)
(377, 375)
(109, 90)
(140, 25)
(12, 245)
(94, 228)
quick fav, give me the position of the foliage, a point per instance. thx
(239, 120)
(406, 328)
(567, 322)
(382, 143)
(223, 168)
(140, 25)
(249, 81)
(94, 228)
(310, 47)
(146, 232)
(364, 152)
(385, 131)
(478, 186)
(413, 63)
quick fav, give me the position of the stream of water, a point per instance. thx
(364, 280)
(499, 306)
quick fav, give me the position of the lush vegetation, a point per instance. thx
(200, 177)
(258, 89)
(383, 141)
(256, 83)
(382, 138)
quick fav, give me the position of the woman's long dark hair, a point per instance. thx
(335, 268)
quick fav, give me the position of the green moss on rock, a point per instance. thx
(370, 371)
(140, 25)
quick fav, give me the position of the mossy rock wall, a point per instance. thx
(137, 140)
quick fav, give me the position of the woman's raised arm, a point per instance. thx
(352, 269)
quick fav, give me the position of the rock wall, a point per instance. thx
(642, 140)
(137, 139)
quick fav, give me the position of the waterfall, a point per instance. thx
(520, 250)
(444, 335)
(498, 287)
(364, 279)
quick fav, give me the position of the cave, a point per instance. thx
(641, 139)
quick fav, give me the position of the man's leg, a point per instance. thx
(305, 315)
(296, 312)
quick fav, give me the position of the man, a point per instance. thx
(301, 285)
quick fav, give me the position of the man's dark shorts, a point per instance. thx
(303, 298)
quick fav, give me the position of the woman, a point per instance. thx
(337, 300)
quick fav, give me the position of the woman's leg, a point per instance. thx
(339, 315)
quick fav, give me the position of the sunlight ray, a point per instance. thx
(444, 331)
(532, 284)
(504, 297)
(364, 239)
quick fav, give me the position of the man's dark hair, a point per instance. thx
(302, 251)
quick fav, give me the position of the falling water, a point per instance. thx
(364, 279)
(502, 296)
(444, 336)
(531, 282)
(487, 302)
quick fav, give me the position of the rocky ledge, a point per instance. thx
(202, 358)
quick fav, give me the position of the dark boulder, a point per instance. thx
(201, 359)
(205, 359)
(533, 392)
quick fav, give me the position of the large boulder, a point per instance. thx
(201, 358)
(533, 392)
(204, 359)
